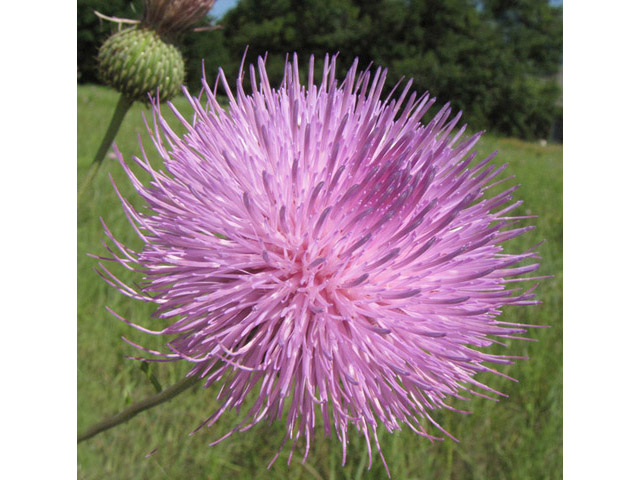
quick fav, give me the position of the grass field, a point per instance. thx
(519, 437)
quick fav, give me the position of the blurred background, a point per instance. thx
(500, 61)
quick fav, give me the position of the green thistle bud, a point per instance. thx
(137, 61)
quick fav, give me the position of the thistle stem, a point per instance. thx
(124, 103)
(130, 412)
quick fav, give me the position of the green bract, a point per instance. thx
(137, 61)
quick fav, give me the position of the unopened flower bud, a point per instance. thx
(137, 61)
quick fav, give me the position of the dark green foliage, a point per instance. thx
(533, 29)
(285, 26)
(496, 60)
(492, 64)
(207, 47)
(92, 31)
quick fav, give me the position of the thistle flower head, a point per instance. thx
(322, 248)
(143, 59)
(137, 61)
(172, 17)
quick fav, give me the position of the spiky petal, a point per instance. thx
(323, 248)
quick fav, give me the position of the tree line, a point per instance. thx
(497, 60)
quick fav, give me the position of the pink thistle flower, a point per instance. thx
(320, 246)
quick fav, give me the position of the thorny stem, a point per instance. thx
(128, 413)
(124, 103)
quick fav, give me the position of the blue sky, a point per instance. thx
(221, 7)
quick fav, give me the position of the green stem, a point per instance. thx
(128, 413)
(124, 103)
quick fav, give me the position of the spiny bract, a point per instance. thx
(138, 62)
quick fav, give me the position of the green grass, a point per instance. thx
(519, 437)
